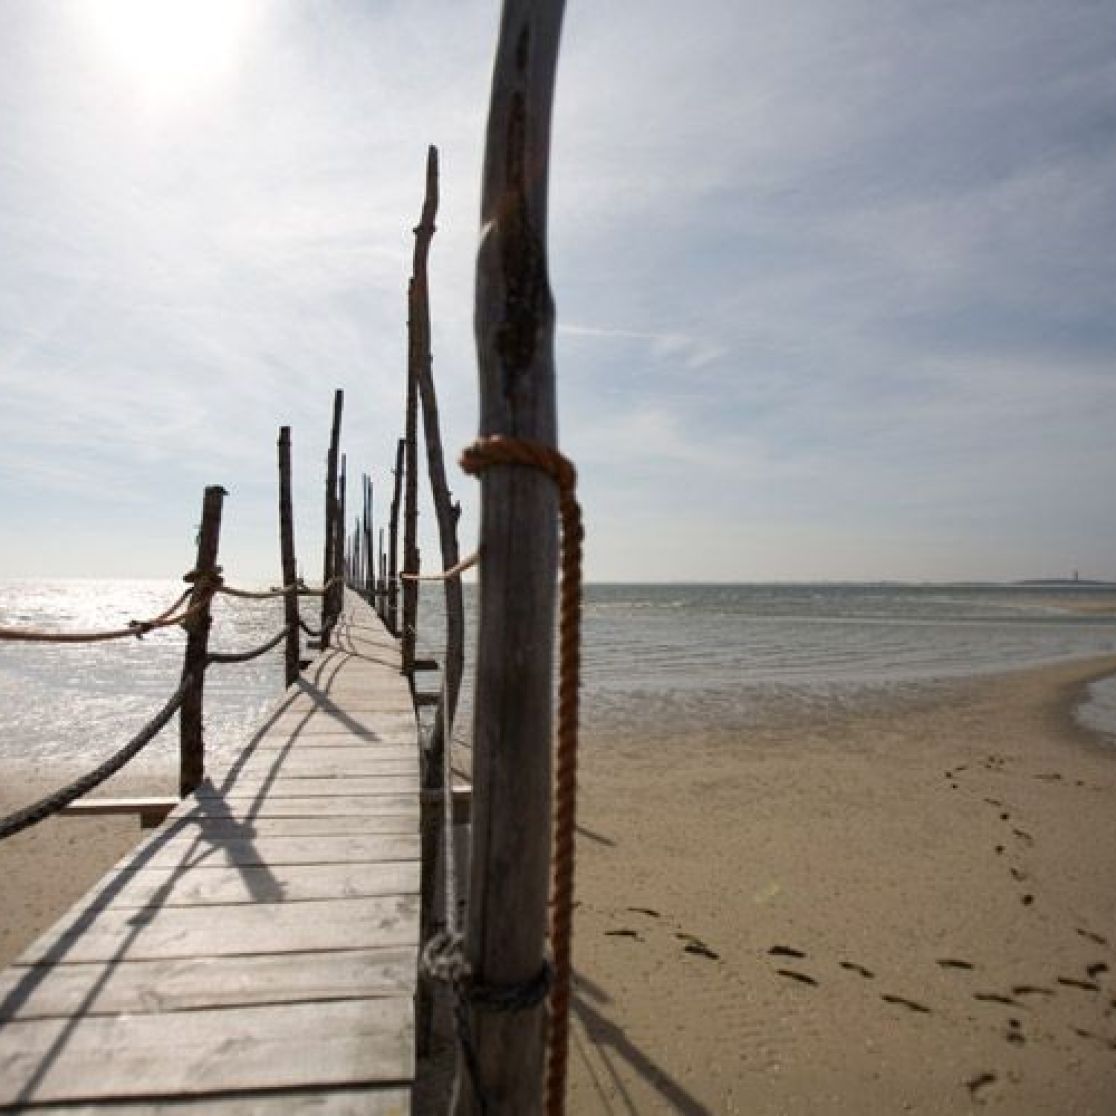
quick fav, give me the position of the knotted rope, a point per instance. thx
(499, 449)
(137, 629)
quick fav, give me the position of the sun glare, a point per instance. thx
(172, 50)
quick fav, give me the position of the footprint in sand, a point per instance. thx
(785, 951)
(955, 963)
(649, 911)
(1027, 900)
(624, 933)
(860, 970)
(1096, 969)
(902, 1001)
(1084, 985)
(977, 1085)
(1094, 1037)
(696, 946)
(1014, 1032)
(793, 974)
(1099, 939)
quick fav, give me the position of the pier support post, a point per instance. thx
(289, 562)
(393, 542)
(191, 769)
(514, 320)
(331, 512)
(410, 503)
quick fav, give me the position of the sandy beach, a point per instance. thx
(908, 909)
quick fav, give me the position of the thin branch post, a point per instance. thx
(447, 513)
(331, 510)
(393, 541)
(410, 503)
(339, 589)
(191, 742)
(287, 554)
(514, 318)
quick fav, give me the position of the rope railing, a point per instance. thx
(54, 803)
(136, 629)
(168, 618)
(174, 614)
(227, 657)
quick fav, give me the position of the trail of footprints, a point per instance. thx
(1020, 996)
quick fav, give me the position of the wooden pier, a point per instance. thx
(258, 951)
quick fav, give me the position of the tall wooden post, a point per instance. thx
(287, 554)
(393, 542)
(514, 318)
(331, 510)
(191, 766)
(381, 584)
(410, 503)
(339, 588)
(447, 515)
(369, 550)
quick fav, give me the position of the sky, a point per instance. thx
(835, 282)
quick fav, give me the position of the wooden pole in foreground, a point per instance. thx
(287, 553)
(393, 542)
(191, 743)
(514, 319)
(331, 509)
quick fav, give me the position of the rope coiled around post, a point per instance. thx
(499, 449)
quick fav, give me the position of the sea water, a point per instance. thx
(662, 657)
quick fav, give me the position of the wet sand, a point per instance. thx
(902, 910)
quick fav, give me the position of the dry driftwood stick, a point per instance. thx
(410, 504)
(514, 319)
(287, 554)
(331, 510)
(393, 541)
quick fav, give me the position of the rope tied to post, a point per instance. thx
(499, 449)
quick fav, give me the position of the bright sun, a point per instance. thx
(171, 49)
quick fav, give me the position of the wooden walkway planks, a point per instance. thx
(257, 952)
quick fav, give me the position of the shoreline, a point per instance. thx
(824, 917)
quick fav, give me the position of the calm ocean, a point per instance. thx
(655, 656)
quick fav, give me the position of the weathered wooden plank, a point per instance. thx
(298, 787)
(83, 989)
(246, 807)
(324, 720)
(325, 758)
(208, 1050)
(115, 935)
(254, 883)
(370, 1101)
(398, 744)
(297, 764)
(287, 827)
(335, 848)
